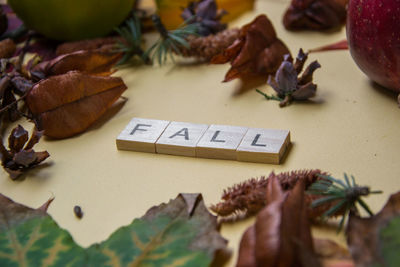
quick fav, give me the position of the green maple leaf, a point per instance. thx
(180, 233)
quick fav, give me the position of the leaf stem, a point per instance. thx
(159, 26)
(269, 97)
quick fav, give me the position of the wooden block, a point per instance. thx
(141, 135)
(220, 142)
(180, 138)
(263, 145)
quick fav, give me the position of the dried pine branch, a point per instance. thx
(249, 197)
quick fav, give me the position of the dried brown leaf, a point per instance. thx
(68, 104)
(341, 45)
(257, 51)
(86, 61)
(103, 44)
(281, 235)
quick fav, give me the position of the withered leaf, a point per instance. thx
(257, 51)
(374, 241)
(20, 157)
(315, 14)
(281, 235)
(87, 61)
(341, 45)
(106, 44)
(68, 104)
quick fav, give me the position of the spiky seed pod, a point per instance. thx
(209, 46)
(249, 197)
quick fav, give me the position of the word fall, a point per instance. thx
(204, 141)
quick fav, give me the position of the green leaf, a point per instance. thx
(179, 233)
(390, 242)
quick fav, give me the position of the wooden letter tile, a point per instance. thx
(180, 138)
(220, 142)
(141, 135)
(263, 145)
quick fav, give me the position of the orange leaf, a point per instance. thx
(87, 61)
(68, 104)
(103, 43)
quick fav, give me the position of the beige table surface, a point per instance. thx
(350, 127)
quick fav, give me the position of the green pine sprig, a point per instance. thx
(345, 194)
(132, 44)
(170, 41)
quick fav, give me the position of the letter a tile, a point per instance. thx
(220, 142)
(263, 145)
(141, 135)
(180, 138)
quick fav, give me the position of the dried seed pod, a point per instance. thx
(315, 14)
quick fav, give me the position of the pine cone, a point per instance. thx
(207, 47)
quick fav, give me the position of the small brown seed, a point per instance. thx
(78, 212)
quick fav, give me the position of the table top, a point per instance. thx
(350, 126)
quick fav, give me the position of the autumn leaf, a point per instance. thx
(281, 235)
(20, 157)
(257, 51)
(179, 233)
(86, 61)
(68, 104)
(375, 241)
(341, 45)
(106, 44)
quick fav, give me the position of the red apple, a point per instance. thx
(373, 33)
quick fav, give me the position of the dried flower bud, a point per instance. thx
(206, 15)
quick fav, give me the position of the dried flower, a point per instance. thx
(288, 84)
(249, 197)
(257, 51)
(315, 14)
(206, 15)
(21, 157)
